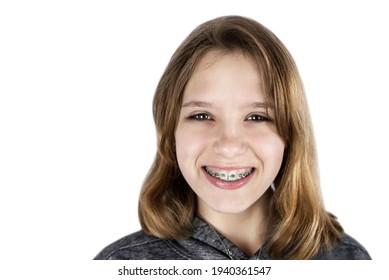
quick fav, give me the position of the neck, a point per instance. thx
(247, 229)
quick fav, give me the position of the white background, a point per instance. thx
(76, 131)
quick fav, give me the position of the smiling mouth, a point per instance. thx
(229, 175)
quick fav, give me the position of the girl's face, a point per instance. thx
(227, 145)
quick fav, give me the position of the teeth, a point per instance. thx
(229, 176)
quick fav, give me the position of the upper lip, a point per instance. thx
(228, 168)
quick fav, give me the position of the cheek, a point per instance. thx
(189, 145)
(269, 147)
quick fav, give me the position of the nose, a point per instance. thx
(229, 142)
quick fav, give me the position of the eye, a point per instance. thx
(201, 117)
(258, 118)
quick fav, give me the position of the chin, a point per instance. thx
(228, 207)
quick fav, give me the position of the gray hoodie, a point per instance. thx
(206, 244)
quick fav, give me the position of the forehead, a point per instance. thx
(215, 61)
(221, 74)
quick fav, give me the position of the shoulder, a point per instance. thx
(347, 249)
(139, 246)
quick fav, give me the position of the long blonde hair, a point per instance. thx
(300, 224)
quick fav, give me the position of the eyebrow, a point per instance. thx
(203, 104)
(196, 103)
(260, 105)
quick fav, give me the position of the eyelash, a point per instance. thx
(201, 117)
(260, 118)
(207, 117)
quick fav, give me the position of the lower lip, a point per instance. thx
(228, 185)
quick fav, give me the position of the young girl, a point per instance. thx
(235, 175)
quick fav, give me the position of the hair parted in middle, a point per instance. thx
(300, 225)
